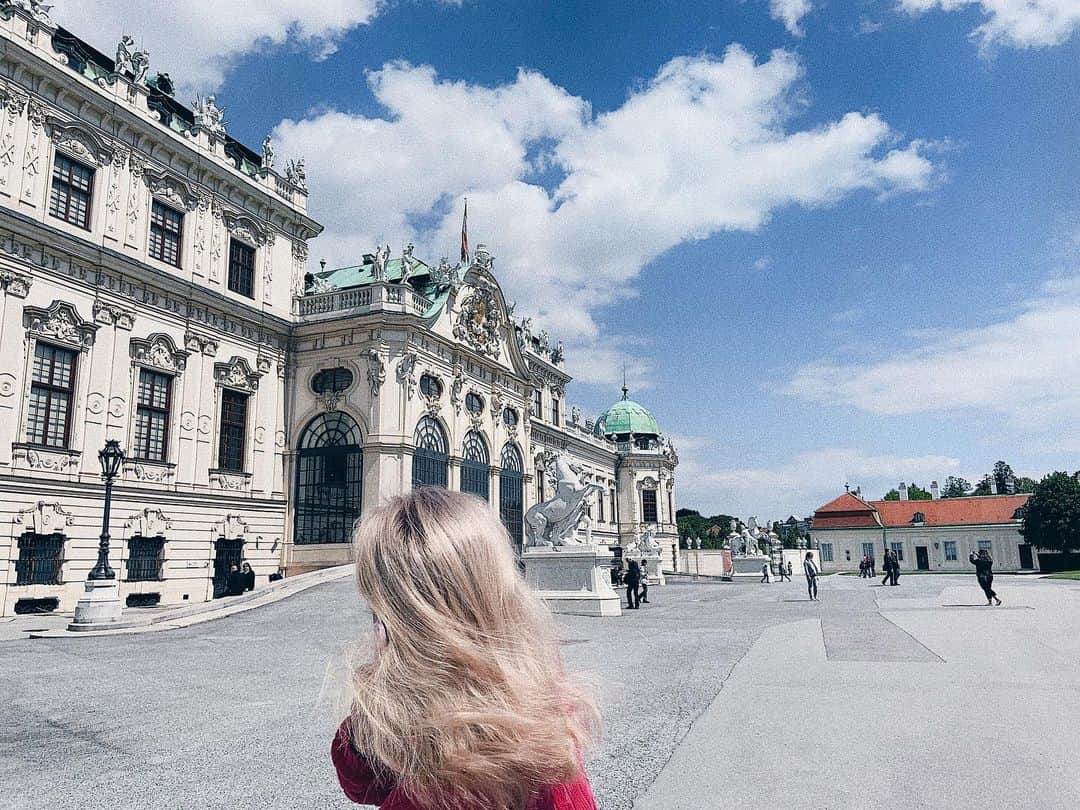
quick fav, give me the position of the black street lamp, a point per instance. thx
(111, 458)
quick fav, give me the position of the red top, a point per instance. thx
(363, 786)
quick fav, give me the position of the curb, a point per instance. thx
(188, 616)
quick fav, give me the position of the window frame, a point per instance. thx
(949, 548)
(645, 506)
(230, 277)
(69, 187)
(52, 388)
(898, 549)
(140, 452)
(538, 404)
(555, 402)
(165, 234)
(229, 394)
(826, 552)
(140, 541)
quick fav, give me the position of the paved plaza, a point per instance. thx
(714, 696)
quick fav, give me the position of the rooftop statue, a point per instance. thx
(129, 59)
(209, 116)
(446, 275)
(555, 522)
(39, 10)
(267, 153)
(379, 260)
(557, 354)
(296, 173)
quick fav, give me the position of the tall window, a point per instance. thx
(950, 550)
(554, 410)
(538, 404)
(512, 492)
(152, 416)
(40, 558)
(898, 550)
(431, 458)
(144, 559)
(241, 268)
(166, 229)
(670, 507)
(600, 506)
(614, 514)
(52, 389)
(826, 552)
(474, 466)
(233, 430)
(72, 190)
(868, 549)
(329, 480)
(648, 506)
(985, 545)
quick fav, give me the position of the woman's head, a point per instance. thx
(984, 552)
(466, 701)
(246, 567)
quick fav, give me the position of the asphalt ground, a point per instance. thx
(706, 694)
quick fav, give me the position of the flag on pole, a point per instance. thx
(465, 233)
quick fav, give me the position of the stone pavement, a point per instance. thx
(705, 695)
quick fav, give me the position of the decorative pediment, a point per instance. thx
(479, 318)
(172, 189)
(245, 228)
(44, 518)
(237, 374)
(230, 527)
(159, 351)
(149, 523)
(62, 323)
(79, 141)
(648, 482)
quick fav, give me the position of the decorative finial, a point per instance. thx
(625, 390)
(322, 264)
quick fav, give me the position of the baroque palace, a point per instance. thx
(154, 289)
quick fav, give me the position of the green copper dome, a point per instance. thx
(627, 417)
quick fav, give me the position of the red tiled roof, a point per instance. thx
(851, 512)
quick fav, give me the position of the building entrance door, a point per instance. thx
(227, 553)
(922, 558)
(1027, 559)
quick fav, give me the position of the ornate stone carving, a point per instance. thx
(159, 351)
(45, 518)
(203, 344)
(376, 371)
(112, 197)
(165, 186)
(80, 141)
(14, 102)
(152, 473)
(457, 386)
(117, 407)
(32, 156)
(268, 269)
(7, 385)
(58, 461)
(205, 423)
(15, 284)
(260, 434)
(479, 320)
(113, 315)
(280, 439)
(406, 373)
(187, 421)
(228, 482)
(95, 403)
(149, 522)
(296, 173)
(60, 322)
(245, 228)
(237, 374)
(555, 522)
(267, 153)
(131, 61)
(231, 527)
(446, 276)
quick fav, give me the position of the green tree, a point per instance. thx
(1003, 476)
(915, 493)
(984, 487)
(1051, 518)
(1025, 485)
(955, 487)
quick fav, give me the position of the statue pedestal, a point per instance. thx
(99, 607)
(748, 566)
(573, 579)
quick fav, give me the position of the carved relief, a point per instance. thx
(149, 523)
(159, 351)
(172, 189)
(280, 439)
(14, 101)
(479, 320)
(202, 344)
(405, 373)
(237, 374)
(60, 322)
(57, 461)
(376, 372)
(45, 518)
(152, 474)
(15, 284)
(95, 403)
(245, 228)
(7, 384)
(78, 141)
(113, 315)
(32, 157)
(268, 268)
(457, 386)
(260, 435)
(117, 407)
(112, 198)
(300, 257)
(134, 200)
(205, 423)
(187, 421)
(227, 482)
(216, 248)
(231, 526)
(201, 216)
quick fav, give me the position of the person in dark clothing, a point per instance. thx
(863, 571)
(811, 576)
(785, 572)
(236, 582)
(984, 573)
(632, 580)
(643, 593)
(249, 576)
(886, 566)
(870, 560)
(895, 569)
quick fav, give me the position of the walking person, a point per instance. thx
(493, 720)
(870, 559)
(785, 572)
(765, 572)
(643, 593)
(886, 566)
(632, 578)
(789, 570)
(811, 572)
(862, 569)
(895, 569)
(984, 573)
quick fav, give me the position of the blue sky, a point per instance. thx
(845, 248)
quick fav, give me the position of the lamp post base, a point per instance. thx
(99, 607)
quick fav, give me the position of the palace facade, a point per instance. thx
(154, 290)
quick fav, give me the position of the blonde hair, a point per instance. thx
(468, 704)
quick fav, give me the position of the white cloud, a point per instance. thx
(196, 41)
(1023, 367)
(790, 13)
(580, 203)
(799, 485)
(763, 263)
(1019, 23)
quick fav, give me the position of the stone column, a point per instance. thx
(15, 288)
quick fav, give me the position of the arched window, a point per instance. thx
(430, 386)
(474, 465)
(331, 380)
(329, 480)
(430, 466)
(474, 403)
(512, 491)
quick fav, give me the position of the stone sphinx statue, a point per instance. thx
(555, 522)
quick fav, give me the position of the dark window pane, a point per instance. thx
(144, 559)
(166, 230)
(233, 430)
(40, 558)
(242, 268)
(72, 189)
(152, 416)
(648, 505)
(48, 416)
